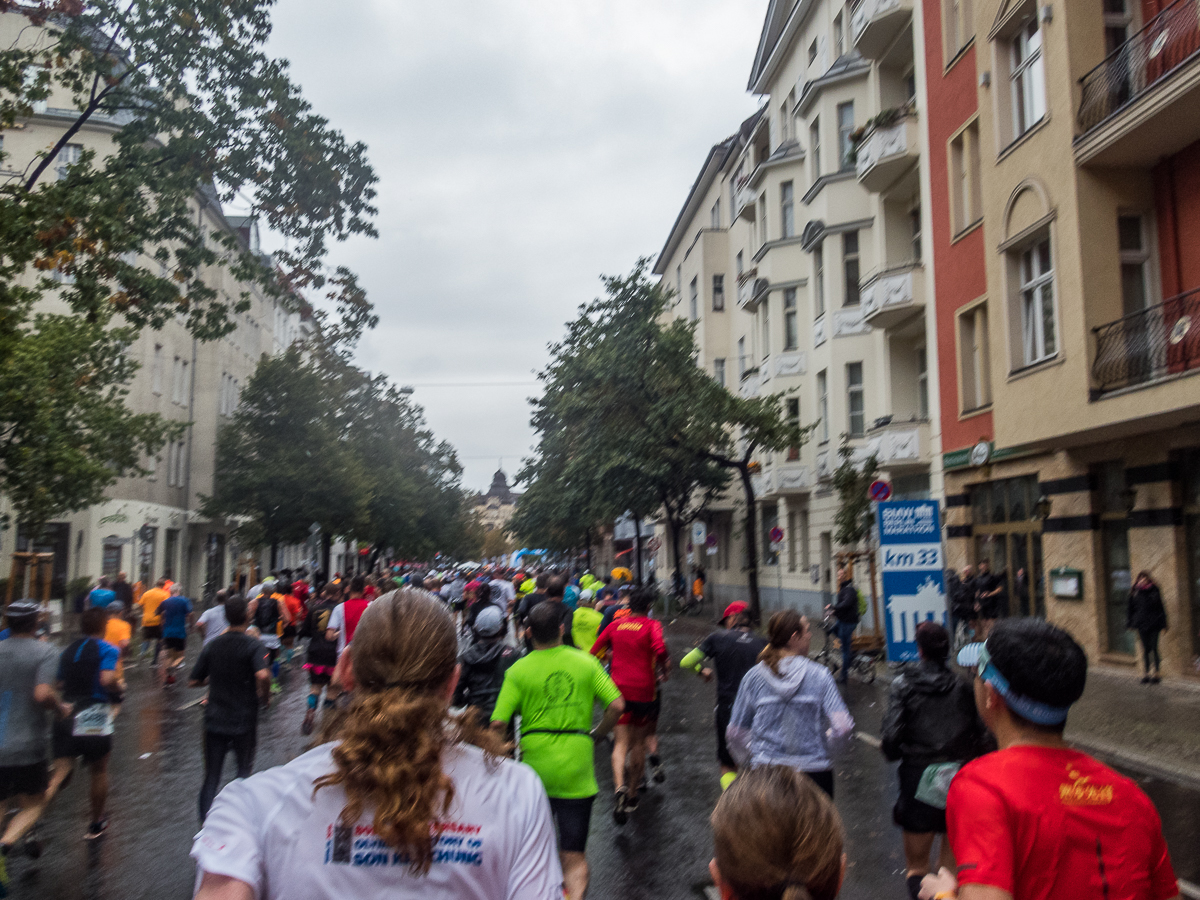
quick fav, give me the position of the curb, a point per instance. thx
(1139, 761)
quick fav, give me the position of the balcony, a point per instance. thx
(876, 24)
(1143, 102)
(894, 296)
(899, 445)
(887, 152)
(751, 290)
(746, 201)
(1148, 346)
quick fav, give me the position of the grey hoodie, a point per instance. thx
(787, 718)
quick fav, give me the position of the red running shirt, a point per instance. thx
(1048, 823)
(353, 612)
(637, 644)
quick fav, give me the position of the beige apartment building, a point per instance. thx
(799, 255)
(151, 527)
(1076, 458)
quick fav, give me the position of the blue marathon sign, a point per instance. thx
(914, 584)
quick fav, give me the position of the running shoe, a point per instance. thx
(631, 802)
(310, 719)
(96, 829)
(657, 772)
(276, 688)
(621, 807)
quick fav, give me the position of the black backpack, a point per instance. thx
(267, 613)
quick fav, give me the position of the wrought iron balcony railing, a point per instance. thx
(1153, 343)
(1168, 41)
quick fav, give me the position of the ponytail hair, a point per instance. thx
(778, 837)
(393, 737)
(780, 629)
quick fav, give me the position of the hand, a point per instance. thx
(706, 674)
(65, 710)
(943, 882)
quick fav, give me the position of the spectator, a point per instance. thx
(1145, 614)
(845, 609)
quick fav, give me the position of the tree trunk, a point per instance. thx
(673, 527)
(637, 547)
(274, 555)
(326, 550)
(751, 542)
(587, 536)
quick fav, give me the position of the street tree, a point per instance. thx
(199, 113)
(852, 481)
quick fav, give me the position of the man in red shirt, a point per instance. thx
(639, 663)
(1037, 819)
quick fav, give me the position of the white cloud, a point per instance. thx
(524, 147)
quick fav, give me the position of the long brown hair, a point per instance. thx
(398, 726)
(778, 837)
(780, 629)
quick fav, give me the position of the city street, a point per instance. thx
(662, 853)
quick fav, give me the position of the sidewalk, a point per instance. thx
(1151, 727)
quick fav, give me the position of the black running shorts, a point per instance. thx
(572, 816)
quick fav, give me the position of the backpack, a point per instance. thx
(266, 614)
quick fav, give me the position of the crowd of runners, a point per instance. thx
(456, 715)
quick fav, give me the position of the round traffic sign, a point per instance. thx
(879, 490)
(712, 540)
(776, 535)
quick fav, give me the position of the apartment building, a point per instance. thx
(150, 526)
(798, 253)
(1065, 139)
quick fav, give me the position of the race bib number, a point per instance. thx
(94, 721)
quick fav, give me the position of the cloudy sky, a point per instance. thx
(524, 147)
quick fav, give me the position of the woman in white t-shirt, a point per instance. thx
(408, 801)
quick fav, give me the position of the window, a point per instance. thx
(1118, 24)
(1038, 327)
(764, 310)
(740, 267)
(914, 222)
(960, 26)
(812, 52)
(856, 420)
(741, 358)
(850, 267)
(1028, 78)
(787, 210)
(68, 156)
(152, 467)
(787, 121)
(814, 146)
(791, 338)
(973, 368)
(693, 301)
(966, 205)
(177, 381)
(762, 219)
(792, 406)
(1134, 247)
(719, 371)
(715, 215)
(718, 293)
(922, 383)
(819, 280)
(845, 119)
(156, 370)
(839, 36)
(678, 283)
(823, 403)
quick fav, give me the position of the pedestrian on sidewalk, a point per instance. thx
(1037, 819)
(87, 673)
(28, 696)
(734, 651)
(788, 706)
(845, 610)
(1146, 616)
(932, 727)
(776, 836)
(407, 800)
(554, 689)
(234, 666)
(991, 598)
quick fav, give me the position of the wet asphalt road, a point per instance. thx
(661, 854)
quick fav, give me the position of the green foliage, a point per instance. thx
(198, 113)
(852, 480)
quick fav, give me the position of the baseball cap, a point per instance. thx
(737, 606)
(489, 622)
(23, 609)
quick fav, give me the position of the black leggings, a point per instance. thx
(215, 748)
(1150, 648)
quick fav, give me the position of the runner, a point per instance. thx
(269, 616)
(102, 594)
(776, 837)
(1038, 819)
(27, 673)
(292, 621)
(118, 632)
(322, 656)
(212, 622)
(345, 618)
(234, 666)
(554, 690)
(87, 671)
(788, 707)
(406, 801)
(484, 664)
(150, 601)
(585, 623)
(734, 652)
(176, 613)
(639, 664)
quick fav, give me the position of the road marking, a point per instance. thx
(191, 704)
(145, 756)
(1188, 889)
(712, 893)
(869, 739)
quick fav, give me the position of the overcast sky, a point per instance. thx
(523, 147)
